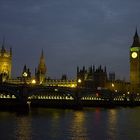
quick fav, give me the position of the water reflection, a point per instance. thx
(97, 115)
(23, 130)
(55, 129)
(88, 124)
(112, 123)
(78, 128)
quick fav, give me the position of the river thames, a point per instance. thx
(120, 123)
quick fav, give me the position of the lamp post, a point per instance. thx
(23, 103)
(79, 81)
(113, 86)
(78, 104)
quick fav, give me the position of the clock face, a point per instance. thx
(25, 74)
(134, 54)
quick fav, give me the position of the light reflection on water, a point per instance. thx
(57, 124)
(23, 129)
(78, 129)
(112, 124)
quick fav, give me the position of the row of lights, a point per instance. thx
(34, 81)
(7, 96)
(25, 74)
(52, 97)
(91, 98)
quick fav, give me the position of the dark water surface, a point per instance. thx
(57, 124)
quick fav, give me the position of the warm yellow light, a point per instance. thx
(79, 80)
(25, 74)
(33, 81)
(112, 85)
(134, 54)
(73, 85)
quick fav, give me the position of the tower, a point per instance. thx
(5, 63)
(135, 64)
(26, 71)
(41, 71)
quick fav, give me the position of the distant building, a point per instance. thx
(92, 77)
(61, 83)
(40, 72)
(26, 72)
(118, 86)
(5, 63)
(86, 77)
(135, 64)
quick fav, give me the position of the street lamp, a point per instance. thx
(33, 81)
(79, 81)
(112, 85)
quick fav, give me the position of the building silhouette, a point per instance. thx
(135, 64)
(92, 77)
(27, 71)
(5, 63)
(40, 72)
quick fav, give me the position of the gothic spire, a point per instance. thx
(136, 42)
(42, 54)
(42, 65)
(11, 51)
(3, 45)
(77, 69)
(24, 68)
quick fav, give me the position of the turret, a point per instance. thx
(136, 42)
(26, 71)
(5, 62)
(10, 51)
(77, 69)
(135, 64)
(42, 65)
(3, 47)
(41, 71)
(93, 68)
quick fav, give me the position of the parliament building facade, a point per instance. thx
(92, 77)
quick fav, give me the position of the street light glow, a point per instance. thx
(79, 80)
(33, 81)
(112, 85)
(25, 74)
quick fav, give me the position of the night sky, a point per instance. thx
(71, 33)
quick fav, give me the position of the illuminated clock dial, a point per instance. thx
(134, 55)
(25, 74)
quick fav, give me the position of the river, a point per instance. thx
(118, 123)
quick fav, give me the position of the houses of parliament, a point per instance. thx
(92, 77)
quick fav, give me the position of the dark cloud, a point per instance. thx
(71, 32)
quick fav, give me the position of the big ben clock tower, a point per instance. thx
(135, 64)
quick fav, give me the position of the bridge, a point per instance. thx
(37, 95)
(48, 96)
(19, 91)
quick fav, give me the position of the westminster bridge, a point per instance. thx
(66, 97)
